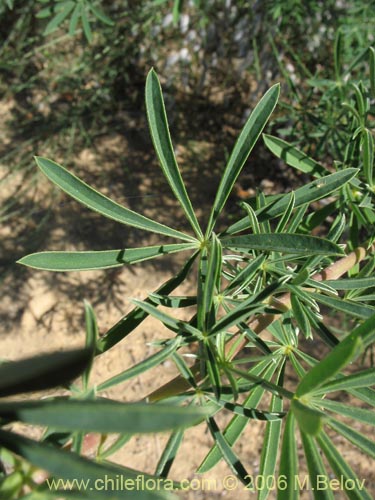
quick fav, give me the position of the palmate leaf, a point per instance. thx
(245, 309)
(88, 196)
(245, 143)
(101, 259)
(69, 466)
(285, 243)
(319, 188)
(161, 138)
(42, 372)
(104, 416)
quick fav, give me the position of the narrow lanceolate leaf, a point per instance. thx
(59, 18)
(285, 243)
(316, 468)
(161, 138)
(244, 277)
(210, 283)
(293, 156)
(309, 419)
(228, 454)
(238, 423)
(174, 324)
(139, 368)
(42, 372)
(169, 454)
(346, 306)
(342, 470)
(88, 196)
(101, 259)
(355, 437)
(338, 358)
(176, 301)
(365, 378)
(245, 309)
(250, 413)
(135, 317)
(372, 70)
(245, 143)
(92, 333)
(212, 367)
(271, 443)
(368, 156)
(319, 188)
(300, 315)
(70, 466)
(104, 416)
(359, 414)
(351, 283)
(288, 462)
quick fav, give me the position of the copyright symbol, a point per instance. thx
(230, 483)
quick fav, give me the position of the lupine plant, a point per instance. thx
(263, 287)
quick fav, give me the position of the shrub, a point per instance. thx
(263, 273)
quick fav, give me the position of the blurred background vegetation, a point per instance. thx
(72, 75)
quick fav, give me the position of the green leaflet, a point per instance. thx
(364, 378)
(285, 243)
(103, 416)
(342, 469)
(319, 188)
(42, 372)
(228, 454)
(135, 317)
(316, 468)
(245, 143)
(236, 426)
(346, 306)
(293, 156)
(161, 138)
(140, 367)
(102, 259)
(288, 462)
(358, 439)
(88, 196)
(341, 355)
(68, 465)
